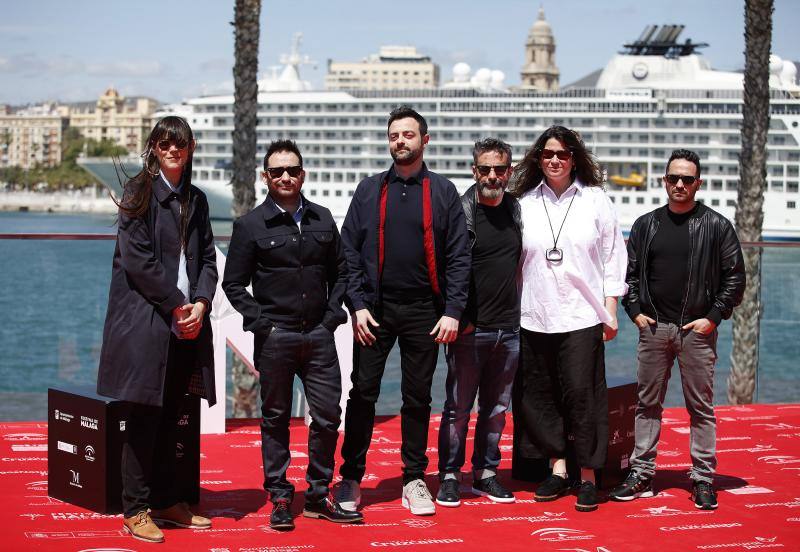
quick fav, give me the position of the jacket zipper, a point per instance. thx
(650, 238)
(689, 278)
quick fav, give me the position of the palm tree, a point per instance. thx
(245, 116)
(749, 209)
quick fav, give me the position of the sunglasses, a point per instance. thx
(499, 170)
(277, 172)
(164, 145)
(563, 155)
(687, 179)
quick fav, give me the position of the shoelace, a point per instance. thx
(141, 518)
(420, 490)
(281, 505)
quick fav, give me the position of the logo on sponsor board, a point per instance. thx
(67, 447)
(122, 425)
(179, 450)
(184, 421)
(89, 423)
(89, 453)
(61, 416)
(76, 479)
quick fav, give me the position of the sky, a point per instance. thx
(57, 50)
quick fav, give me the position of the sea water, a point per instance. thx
(53, 297)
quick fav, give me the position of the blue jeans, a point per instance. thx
(482, 363)
(312, 357)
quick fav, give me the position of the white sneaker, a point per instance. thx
(348, 494)
(417, 498)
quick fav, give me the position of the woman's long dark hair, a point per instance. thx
(528, 173)
(137, 191)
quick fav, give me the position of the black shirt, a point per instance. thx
(405, 271)
(668, 269)
(493, 286)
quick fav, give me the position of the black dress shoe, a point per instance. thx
(329, 509)
(281, 517)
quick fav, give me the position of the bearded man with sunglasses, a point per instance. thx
(483, 360)
(291, 251)
(685, 275)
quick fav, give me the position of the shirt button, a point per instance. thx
(303, 296)
(294, 239)
(272, 242)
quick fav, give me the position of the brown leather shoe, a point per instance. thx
(180, 515)
(141, 527)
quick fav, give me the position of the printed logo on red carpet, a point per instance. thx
(700, 526)
(660, 511)
(748, 490)
(779, 459)
(415, 542)
(25, 437)
(547, 517)
(561, 534)
(756, 543)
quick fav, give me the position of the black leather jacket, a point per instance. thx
(468, 201)
(716, 267)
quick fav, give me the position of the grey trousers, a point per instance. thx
(659, 346)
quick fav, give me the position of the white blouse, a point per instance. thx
(570, 294)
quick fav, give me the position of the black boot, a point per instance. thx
(281, 517)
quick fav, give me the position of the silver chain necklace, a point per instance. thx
(556, 255)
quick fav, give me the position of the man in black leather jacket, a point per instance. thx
(685, 275)
(483, 360)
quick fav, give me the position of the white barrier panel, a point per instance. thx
(226, 323)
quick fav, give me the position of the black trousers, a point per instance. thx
(312, 357)
(148, 456)
(409, 322)
(564, 398)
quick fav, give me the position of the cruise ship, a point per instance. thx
(656, 95)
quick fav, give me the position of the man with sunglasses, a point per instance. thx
(483, 360)
(290, 249)
(685, 275)
(406, 246)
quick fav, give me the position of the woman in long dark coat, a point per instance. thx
(157, 337)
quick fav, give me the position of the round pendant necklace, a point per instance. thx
(556, 255)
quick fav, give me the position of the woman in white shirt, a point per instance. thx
(572, 272)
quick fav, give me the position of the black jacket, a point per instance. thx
(468, 203)
(298, 277)
(716, 279)
(360, 240)
(144, 292)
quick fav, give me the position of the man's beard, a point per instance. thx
(409, 157)
(490, 193)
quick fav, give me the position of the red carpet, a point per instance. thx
(759, 482)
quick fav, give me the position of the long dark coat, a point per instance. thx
(144, 292)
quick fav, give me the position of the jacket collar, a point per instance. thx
(271, 210)
(423, 173)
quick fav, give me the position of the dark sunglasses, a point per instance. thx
(164, 145)
(499, 170)
(562, 155)
(277, 172)
(687, 179)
